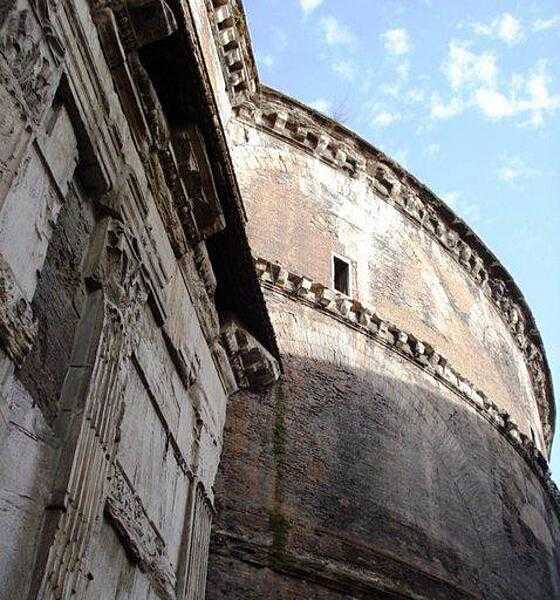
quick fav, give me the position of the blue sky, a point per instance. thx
(466, 95)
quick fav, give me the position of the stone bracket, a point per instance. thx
(253, 365)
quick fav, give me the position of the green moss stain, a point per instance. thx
(279, 523)
(279, 443)
(280, 528)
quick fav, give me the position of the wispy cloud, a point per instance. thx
(322, 105)
(451, 199)
(546, 24)
(344, 68)
(475, 82)
(266, 60)
(397, 41)
(432, 149)
(385, 118)
(403, 71)
(528, 95)
(464, 67)
(335, 33)
(280, 39)
(309, 5)
(415, 95)
(514, 170)
(506, 28)
(468, 210)
(445, 109)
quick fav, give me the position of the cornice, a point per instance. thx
(355, 315)
(342, 149)
(233, 42)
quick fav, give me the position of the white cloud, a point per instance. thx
(322, 105)
(335, 33)
(415, 95)
(493, 103)
(528, 95)
(475, 83)
(345, 69)
(432, 149)
(451, 199)
(266, 60)
(391, 89)
(309, 5)
(464, 67)
(403, 71)
(384, 118)
(546, 24)
(539, 100)
(514, 169)
(395, 88)
(506, 28)
(441, 109)
(397, 41)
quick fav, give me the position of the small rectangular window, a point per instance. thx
(341, 275)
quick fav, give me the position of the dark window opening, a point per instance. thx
(341, 275)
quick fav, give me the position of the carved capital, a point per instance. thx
(114, 266)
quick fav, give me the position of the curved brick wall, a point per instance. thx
(301, 210)
(360, 476)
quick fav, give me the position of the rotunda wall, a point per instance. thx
(302, 212)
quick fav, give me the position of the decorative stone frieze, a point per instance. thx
(31, 47)
(233, 44)
(361, 318)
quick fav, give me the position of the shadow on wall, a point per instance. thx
(339, 484)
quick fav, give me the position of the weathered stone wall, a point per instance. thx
(359, 475)
(114, 373)
(302, 210)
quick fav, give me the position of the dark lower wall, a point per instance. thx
(359, 476)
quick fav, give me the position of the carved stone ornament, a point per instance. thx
(254, 367)
(45, 11)
(139, 536)
(18, 327)
(92, 402)
(140, 22)
(22, 49)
